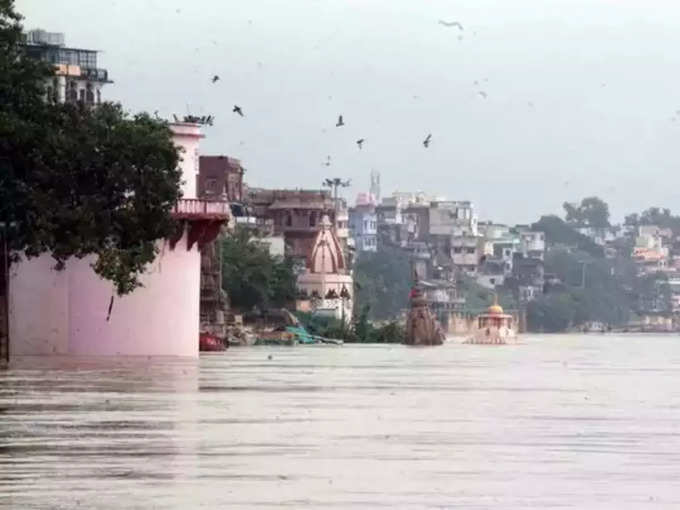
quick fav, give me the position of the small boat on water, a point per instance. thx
(495, 327)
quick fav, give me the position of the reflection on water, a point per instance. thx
(582, 422)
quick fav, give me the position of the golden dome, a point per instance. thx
(495, 308)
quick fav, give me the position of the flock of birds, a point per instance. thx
(238, 110)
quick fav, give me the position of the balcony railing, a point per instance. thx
(94, 74)
(193, 208)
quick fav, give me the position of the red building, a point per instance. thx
(220, 176)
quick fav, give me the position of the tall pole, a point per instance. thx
(334, 183)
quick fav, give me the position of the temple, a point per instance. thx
(327, 280)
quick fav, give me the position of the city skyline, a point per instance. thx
(579, 97)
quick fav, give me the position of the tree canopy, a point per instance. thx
(383, 281)
(591, 212)
(253, 277)
(78, 181)
(558, 232)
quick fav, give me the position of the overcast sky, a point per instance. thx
(581, 94)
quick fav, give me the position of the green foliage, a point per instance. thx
(592, 211)
(79, 181)
(558, 232)
(360, 331)
(382, 282)
(595, 290)
(660, 217)
(479, 298)
(551, 313)
(251, 276)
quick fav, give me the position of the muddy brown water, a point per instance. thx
(581, 422)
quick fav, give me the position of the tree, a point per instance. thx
(251, 276)
(383, 281)
(78, 181)
(558, 232)
(592, 212)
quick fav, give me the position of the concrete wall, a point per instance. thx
(64, 312)
(188, 136)
(38, 308)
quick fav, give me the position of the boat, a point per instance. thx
(495, 327)
(208, 342)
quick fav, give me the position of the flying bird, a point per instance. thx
(426, 142)
(215, 78)
(360, 142)
(482, 93)
(237, 109)
(340, 122)
(451, 24)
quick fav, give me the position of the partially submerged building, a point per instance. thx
(67, 312)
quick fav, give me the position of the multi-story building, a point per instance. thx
(294, 214)
(220, 176)
(78, 77)
(453, 218)
(528, 275)
(466, 253)
(363, 224)
(532, 244)
(650, 251)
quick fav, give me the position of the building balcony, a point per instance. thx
(196, 209)
(95, 74)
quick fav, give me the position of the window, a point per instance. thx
(312, 220)
(99, 96)
(365, 224)
(492, 281)
(82, 96)
(210, 185)
(458, 249)
(289, 220)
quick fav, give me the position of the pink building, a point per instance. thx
(65, 312)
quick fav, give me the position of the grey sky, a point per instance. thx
(603, 77)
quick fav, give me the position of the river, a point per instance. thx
(582, 422)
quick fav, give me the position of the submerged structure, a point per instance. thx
(494, 327)
(422, 327)
(67, 312)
